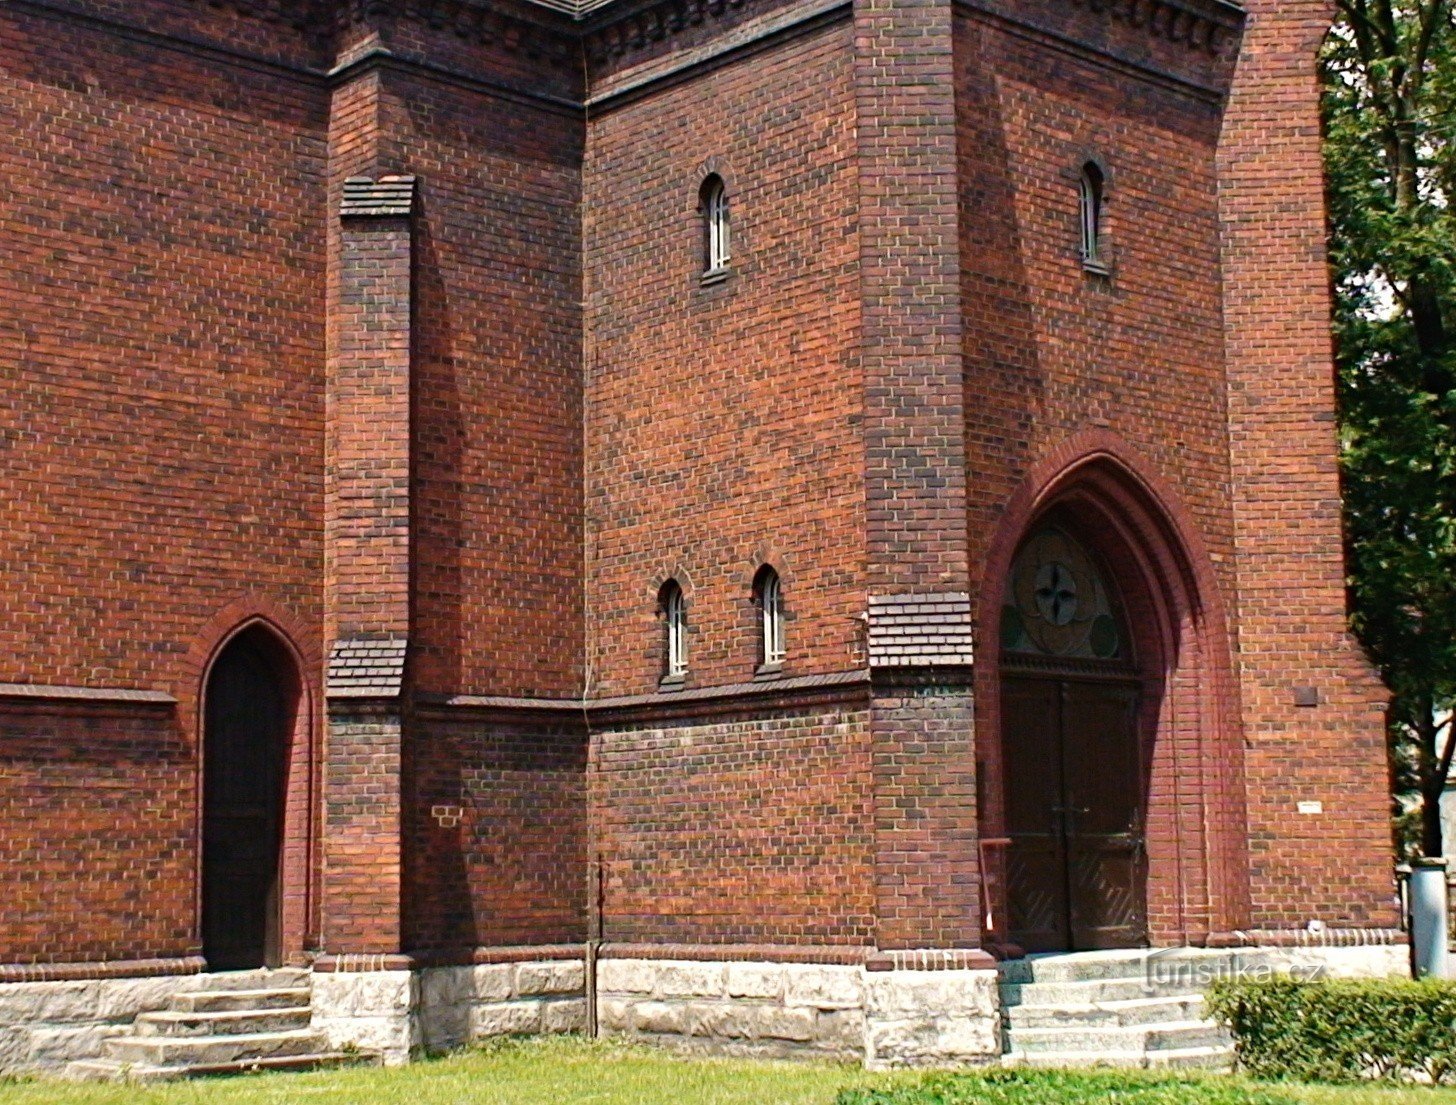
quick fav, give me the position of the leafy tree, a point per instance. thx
(1389, 78)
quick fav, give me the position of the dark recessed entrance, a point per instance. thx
(249, 710)
(1076, 866)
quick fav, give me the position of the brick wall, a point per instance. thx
(905, 333)
(97, 809)
(497, 833)
(497, 397)
(748, 830)
(1334, 866)
(1063, 364)
(723, 421)
(161, 414)
(162, 351)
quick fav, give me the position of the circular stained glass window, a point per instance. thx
(1058, 603)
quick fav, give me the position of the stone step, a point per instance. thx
(173, 1023)
(1190, 968)
(1121, 1040)
(264, 978)
(210, 1050)
(217, 1001)
(1106, 1014)
(112, 1070)
(1075, 1059)
(1087, 992)
(1193, 1058)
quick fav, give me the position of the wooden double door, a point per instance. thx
(1076, 863)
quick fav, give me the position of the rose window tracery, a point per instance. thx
(1058, 603)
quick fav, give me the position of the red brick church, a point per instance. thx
(547, 513)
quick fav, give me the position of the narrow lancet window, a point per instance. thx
(771, 609)
(716, 244)
(1093, 186)
(675, 618)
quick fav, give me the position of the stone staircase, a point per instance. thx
(238, 1022)
(1123, 1009)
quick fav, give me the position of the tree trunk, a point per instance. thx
(1433, 781)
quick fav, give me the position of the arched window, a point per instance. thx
(713, 200)
(1093, 187)
(675, 619)
(768, 591)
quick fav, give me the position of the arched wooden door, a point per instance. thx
(1075, 780)
(249, 709)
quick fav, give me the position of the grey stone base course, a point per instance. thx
(459, 1005)
(881, 1018)
(44, 1025)
(884, 1019)
(395, 1013)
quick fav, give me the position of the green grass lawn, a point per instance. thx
(574, 1072)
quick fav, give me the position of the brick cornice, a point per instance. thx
(1198, 24)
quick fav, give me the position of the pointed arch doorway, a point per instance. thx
(251, 702)
(1076, 781)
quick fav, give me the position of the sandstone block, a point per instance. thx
(14, 1049)
(825, 987)
(564, 1015)
(492, 982)
(774, 1023)
(365, 994)
(660, 1016)
(691, 980)
(719, 1020)
(841, 1031)
(564, 977)
(442, 986)
(47, 1002)
(56, 1045)
(505, 1019)
(755, 980)
(391, 1036)
(444, 1013)
(627, 976)
(614, 1014)
(899, 994)
(121, 999)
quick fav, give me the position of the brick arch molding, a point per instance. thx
(1114, 500)
(299, 651)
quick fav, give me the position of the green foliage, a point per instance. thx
(1058, 1087)
(1389, 79)
(1340, 1030)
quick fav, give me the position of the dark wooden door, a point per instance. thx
(243, 743)
(1076, 869)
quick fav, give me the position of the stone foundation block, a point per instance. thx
(373, 1010)
(565, 977)
(691, 980)
(564, 1015)
(627, 976)
(661, 1016)
(755, 980)
(45, 1025)
(511, 1018)
(824, 987)
(931, 1018)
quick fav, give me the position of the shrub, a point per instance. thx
(1057, 1087)
(1340, 1030)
